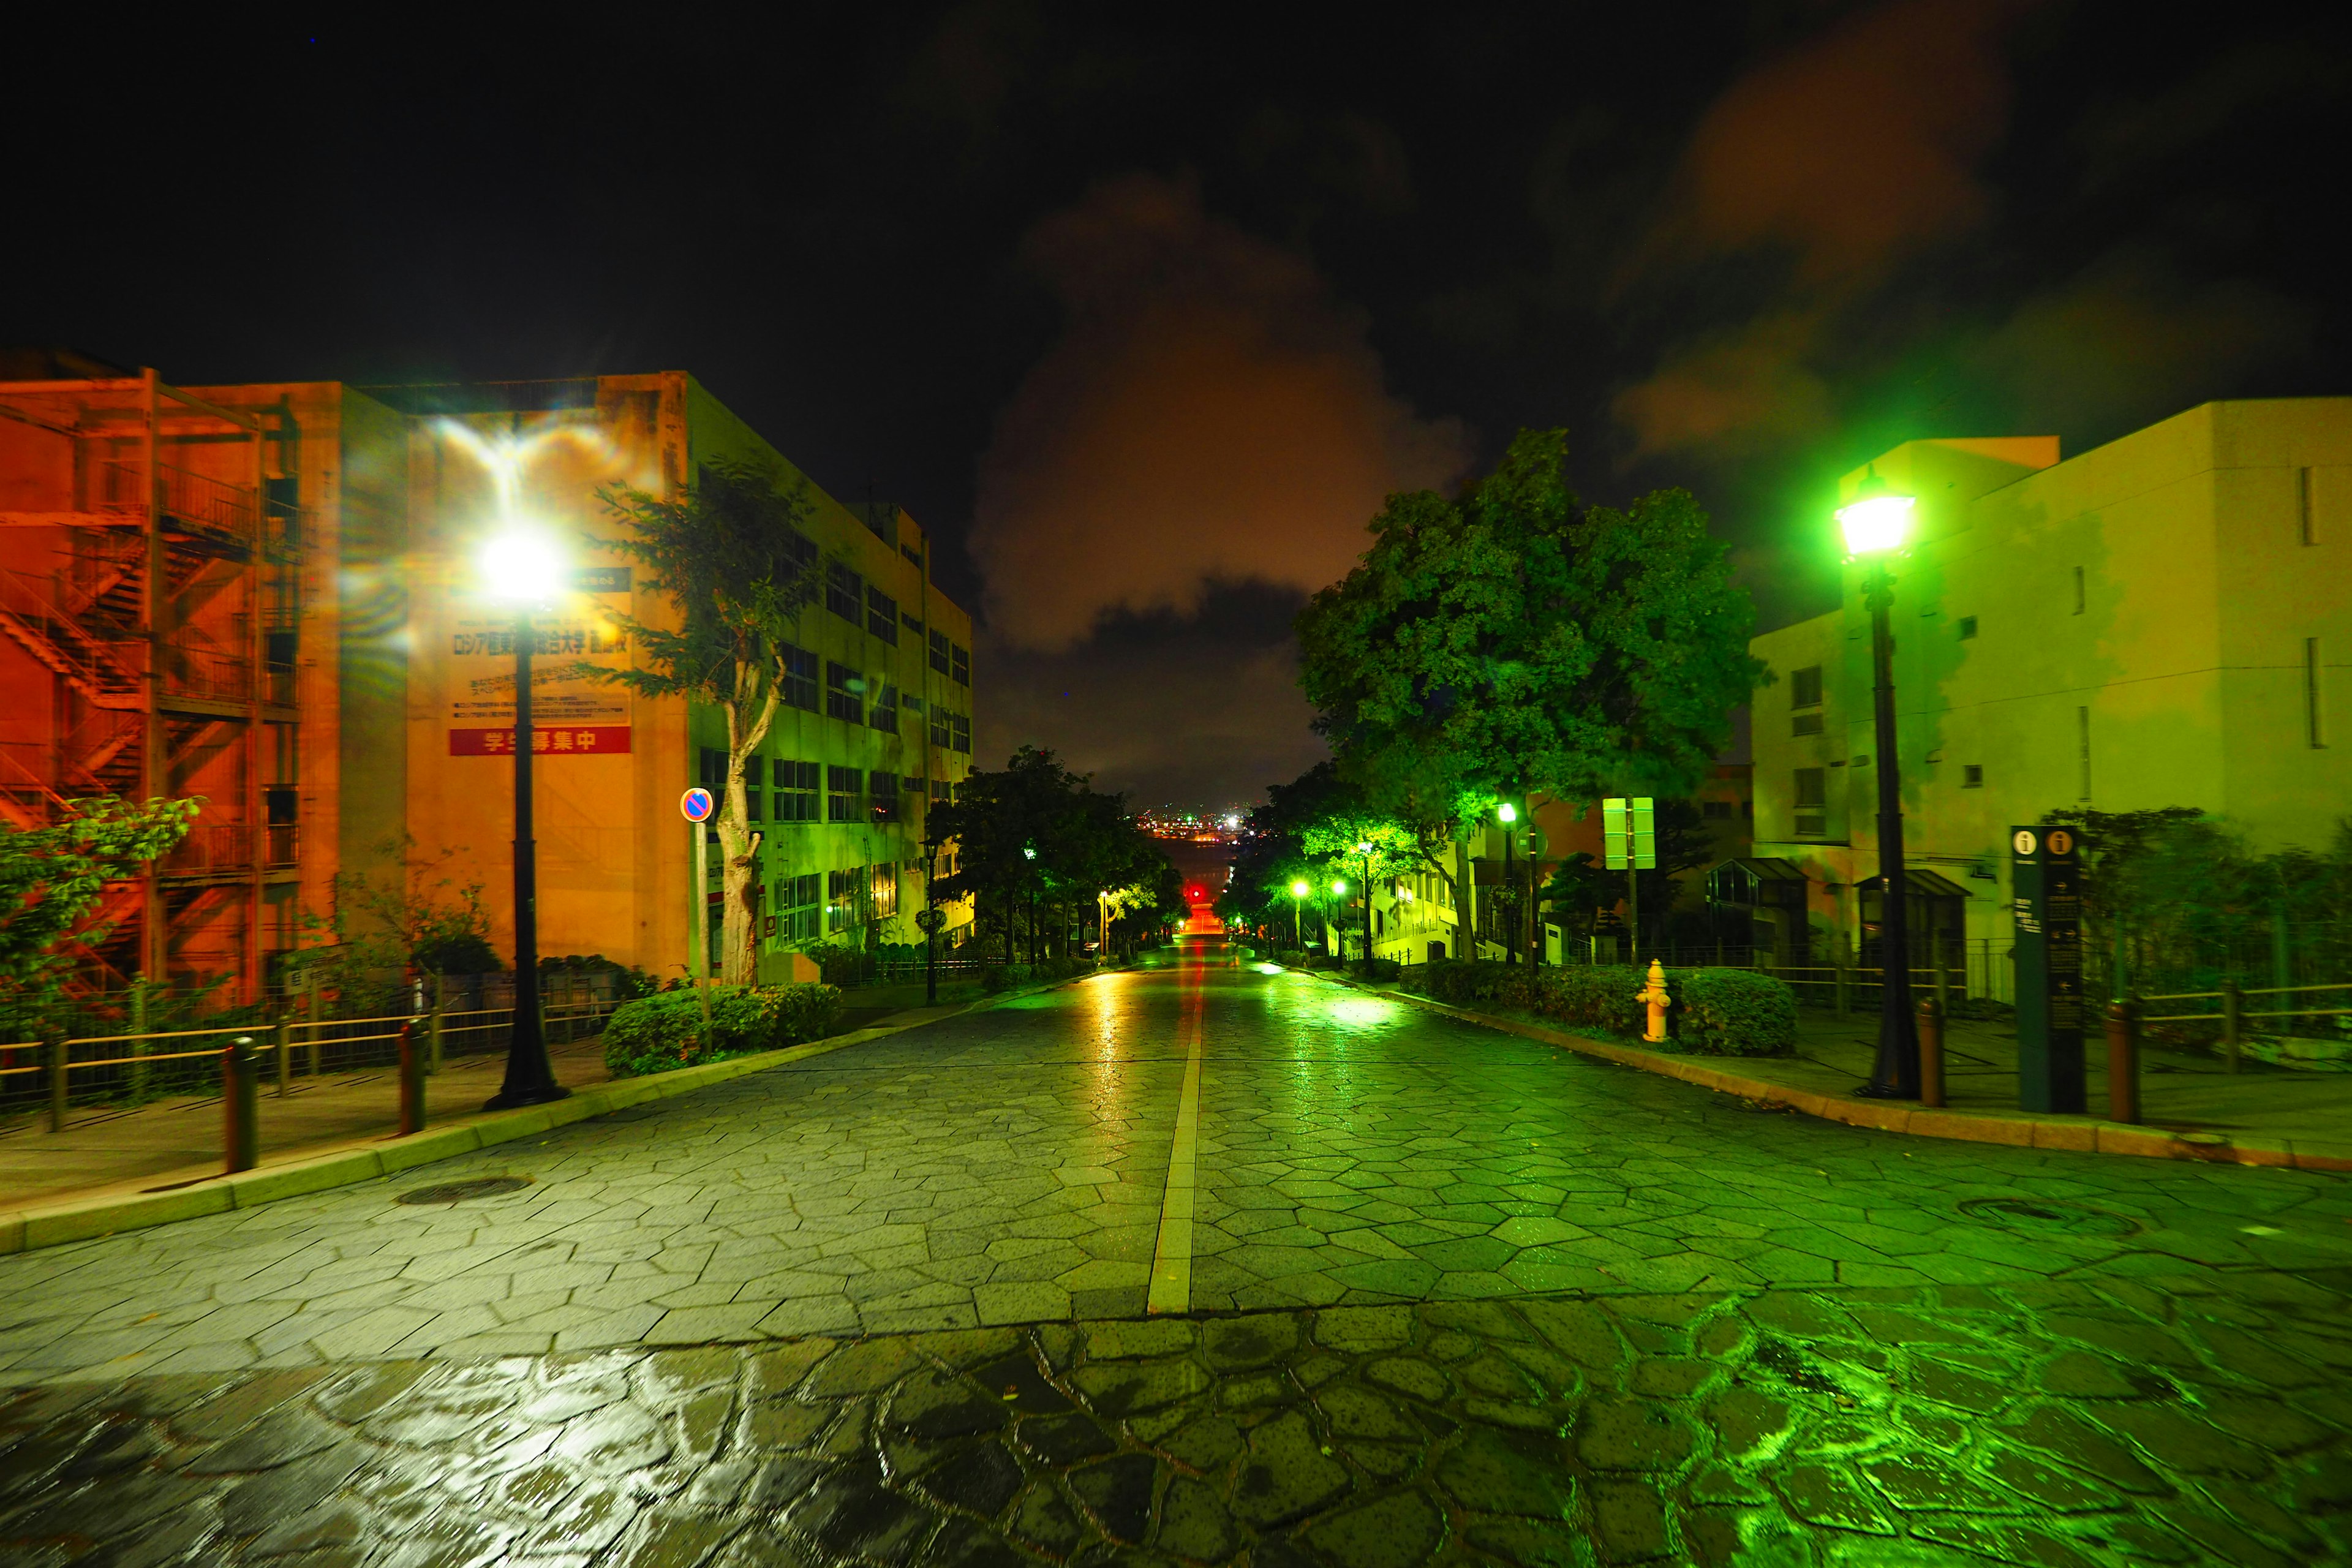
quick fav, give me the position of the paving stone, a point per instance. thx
(1394, 1531)
(1128, 1388)
(1508, 1472)
(1117, 1493)
(1633, 1435)
(1286, 1474)
(1193, 1522)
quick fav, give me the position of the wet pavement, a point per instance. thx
(1446, 1295)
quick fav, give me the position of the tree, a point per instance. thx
(52, 877)
(434, 924)
(1517, 641)
(729, 555)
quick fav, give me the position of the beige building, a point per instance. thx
(2162, 621)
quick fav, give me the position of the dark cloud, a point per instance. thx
(1209, 416)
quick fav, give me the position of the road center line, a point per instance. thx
(1172, 1262)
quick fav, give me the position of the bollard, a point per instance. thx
(1931, 1052)
(241, 1105)
(1654, 995)
(58, 1085)
(411, 1081)
(2231, 1003)
(2122, 1062)
(282, 1037)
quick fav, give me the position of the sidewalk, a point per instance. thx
(2192, 1106)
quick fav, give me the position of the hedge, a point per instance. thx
(1727, 1012)
(665, 1031)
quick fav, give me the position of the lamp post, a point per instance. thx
(1298, 891)
(1876, 523)
(1507, 813)
(1340, 891)
(522, 570)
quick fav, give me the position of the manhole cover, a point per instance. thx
(2048, 1216)
(459, 1192)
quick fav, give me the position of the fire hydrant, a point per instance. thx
(1655, 994)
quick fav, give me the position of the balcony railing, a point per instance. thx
(212, 846)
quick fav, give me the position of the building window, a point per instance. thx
(942, 733)
(882, 795)
(1805, 687)
(842, 788)
(753, 797)
(798, 689)
(1812, 802)
(939, 647)
(882, 615)
(1968, 628)
(710, 768)
(844, 593)
(2314, 697)
(796, 791)
(881, 892)
(800, 550)
(1805, 724)
(961, 726)
(939, 790)
(799, 908)
(2083, 746)
(885, 715)
(845, 899)
(1715, 810)
(907, 619)
(845, 693)
(959, 665)
(1971, 776)
(2078, 590)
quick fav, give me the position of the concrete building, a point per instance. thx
(264, 594)
(2162, 621)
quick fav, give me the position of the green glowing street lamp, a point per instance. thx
(523, 569)
(1877, 525)
(1506, 813)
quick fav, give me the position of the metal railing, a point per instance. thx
(2232, 1014)
(115, 1073)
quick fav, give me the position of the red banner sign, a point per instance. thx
(557, 741)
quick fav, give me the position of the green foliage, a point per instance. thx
(421, 918)
(665, 1031)
(1734, 1012)
(1515, 641)
(729, 557)
(51, 879)
(1728, 1012)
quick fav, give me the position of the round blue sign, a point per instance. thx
(695, 803)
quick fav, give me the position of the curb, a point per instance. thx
(2078, 1135)
(54, 1224)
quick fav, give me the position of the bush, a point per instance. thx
(1728, 1012)
(1735, 1012)
(665, 1031)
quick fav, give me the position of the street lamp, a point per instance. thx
(1507, 813)
(1876, 524)
(1298, 891)
(524, 571)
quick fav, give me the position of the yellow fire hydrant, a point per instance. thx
(1655, 994)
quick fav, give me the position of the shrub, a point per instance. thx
(1735, 1012)
(664, 1031)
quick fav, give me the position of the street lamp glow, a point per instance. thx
(1508, 811)
(1339, 888)
(1300, 890)
(522, 567)
(1875, 524)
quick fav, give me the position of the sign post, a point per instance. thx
(696, 805)
(1629, 843)
(2046, 881)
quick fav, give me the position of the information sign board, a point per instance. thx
(1629, 833)
(2046, 883)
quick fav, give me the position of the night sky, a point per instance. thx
(1142, 312)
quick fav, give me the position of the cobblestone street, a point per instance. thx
(1421, 1291)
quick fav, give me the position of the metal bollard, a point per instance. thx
(241, 1105)
(1931, 1052)
(2122, 1062)
(58, 1085)
(2232, 1004)
(283, 1039)
(411, 1081)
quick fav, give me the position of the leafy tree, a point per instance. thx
(51, 879)
(729, 555)
(422, 918)
(1515, 641)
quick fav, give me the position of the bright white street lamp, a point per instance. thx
(521, 566)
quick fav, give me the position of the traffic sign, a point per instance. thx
(695, 805)
(1629, 833)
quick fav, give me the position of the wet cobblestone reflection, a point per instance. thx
(2056, 1424)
